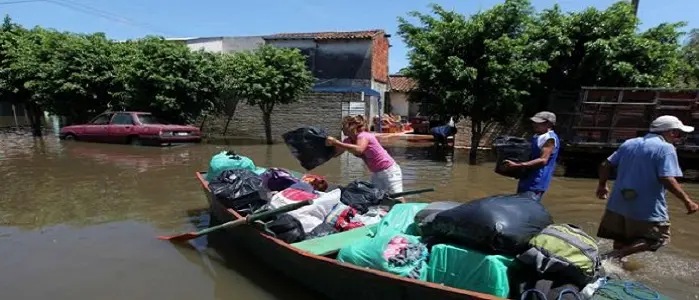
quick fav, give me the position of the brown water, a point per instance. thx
(78, 220)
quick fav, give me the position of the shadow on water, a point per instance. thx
(78, 220)
(226, 254)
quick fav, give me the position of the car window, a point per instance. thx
(101, 119)
(150, 119)
(123, 119)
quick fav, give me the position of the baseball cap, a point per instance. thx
(665, 123)
(544, 116)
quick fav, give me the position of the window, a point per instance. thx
(101, 119)
(123, 119)
(150, 119)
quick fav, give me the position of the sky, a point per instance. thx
(123, 19)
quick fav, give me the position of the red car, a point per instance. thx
(136, 128)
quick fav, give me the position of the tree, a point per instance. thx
(228, 95)
(13, 84)
(167, 79)
(479, 67)
(690, 53)
(602, 48)
(270, 76)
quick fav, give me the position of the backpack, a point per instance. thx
(564, 250)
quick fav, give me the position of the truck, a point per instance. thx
(594, 121)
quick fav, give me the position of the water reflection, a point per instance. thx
(81, 219)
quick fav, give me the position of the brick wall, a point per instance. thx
(379, 58)
(463, 136)
(317, 109)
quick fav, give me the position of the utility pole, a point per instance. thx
(635, 7)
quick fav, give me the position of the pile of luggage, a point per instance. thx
(237, 183)
(506, 246)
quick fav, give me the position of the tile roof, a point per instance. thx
(330, 35)
(400, 83)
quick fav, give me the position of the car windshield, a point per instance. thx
(150, 119)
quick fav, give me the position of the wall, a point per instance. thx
(379, 59)
(213, 44)
(335, 61)
(243, 43)
(316, 109)
(400, 104)
(7, 115)
(463, 135)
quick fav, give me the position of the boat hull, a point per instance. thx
(323, 275)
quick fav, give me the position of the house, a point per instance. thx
(351, 71)
(397, 97)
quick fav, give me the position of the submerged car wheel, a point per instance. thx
(134, 140)
(70, 137)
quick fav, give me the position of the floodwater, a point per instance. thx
(78, 220)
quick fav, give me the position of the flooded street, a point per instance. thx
(79, 220)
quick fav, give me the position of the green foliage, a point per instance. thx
(167, 79)
(479, 67)
(268, 76)
(690, 53)
(81, 75)
(490, 65)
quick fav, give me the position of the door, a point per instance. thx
(96, 130)
(121, 128)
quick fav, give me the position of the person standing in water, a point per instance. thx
(441, 134)
(636, 217)
(544, 152)
(386, 173)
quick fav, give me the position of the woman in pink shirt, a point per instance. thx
(386, 173)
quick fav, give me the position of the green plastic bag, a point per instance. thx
(225, 161)
(368, 252)
(401, 218)
(466, 269)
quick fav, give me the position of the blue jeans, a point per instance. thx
(536, 195)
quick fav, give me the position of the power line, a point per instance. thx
(86, 9)
(18, 1)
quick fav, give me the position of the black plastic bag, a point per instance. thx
(321, 230)
(238, 189)
(307, 144)
(494, 225)
(511, 148)
(287, 228)
(360, 195)
(433, 209)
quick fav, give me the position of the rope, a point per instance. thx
(636, 290)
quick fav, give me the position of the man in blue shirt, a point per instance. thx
(636, 217)
(544, 152)
(441, 134)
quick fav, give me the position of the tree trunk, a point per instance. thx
(230, 111)
(267, 119)
(228, 121)
(34, 113)
(476, 133)
(203, 122)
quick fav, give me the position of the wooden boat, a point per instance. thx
(313, 265)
